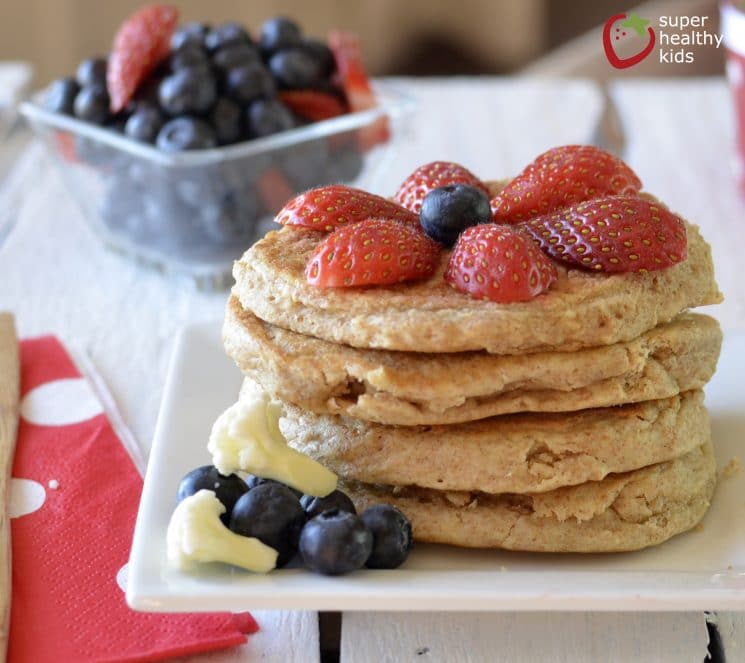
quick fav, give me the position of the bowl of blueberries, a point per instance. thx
(182, 143)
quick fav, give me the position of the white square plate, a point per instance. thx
(703, 569)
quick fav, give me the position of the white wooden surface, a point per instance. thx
(523, 638)
(56, 278)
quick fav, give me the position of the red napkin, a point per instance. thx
(74, 497)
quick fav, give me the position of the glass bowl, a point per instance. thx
(195, 212)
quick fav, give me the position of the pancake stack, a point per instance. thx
(573, 422)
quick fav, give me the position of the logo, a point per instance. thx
(613, 33)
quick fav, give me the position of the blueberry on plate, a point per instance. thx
(448, 210)
(252, 481)
(188, 91)
(249, 83)
(228, 489)
(188, 56)
(191, 34)
(314, 506)
(227, 33)
(271, 513)
(144, 124)
(278, 33)
(269, 117)
(185, 133)
(92, 104)
(295, 69)
(392, 539)
(91, 72)
(335, 542)
(227, 119)
(61, 95)
(235, 55)
(321, 53)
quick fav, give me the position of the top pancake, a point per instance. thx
(580, 310)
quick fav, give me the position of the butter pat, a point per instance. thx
(247, 437)
(196, 534)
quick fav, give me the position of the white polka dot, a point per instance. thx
(26, 496)
(53, 484)
(734, 72)
(60, 402)
(121, 577)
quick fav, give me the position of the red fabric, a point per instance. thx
(66, 603)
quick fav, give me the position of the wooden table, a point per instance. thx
(678, 136)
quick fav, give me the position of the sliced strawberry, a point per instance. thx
(329, 207)
(613, 234)
(432, 176)
(312, 104)
(348, 56)
(356, 85)
(499, 263)
(274, 189)
(372, 252)
(66, 146)
(141, 43)
(561, 177)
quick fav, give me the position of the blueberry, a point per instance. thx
(249, 83)
(316, 505)
(449, 210)
(117, 123)
(392, 538)
(188, 91)
(278, 33)
(227, 119)
(235, 55)
(91, 72)
(61, 96)
(144, 124)
(230, 221)
(227, 488)
(271, 513)
(321, 53)
(222, 35)
(295, 69)
(191, 34)
(147, 93)
(252, 481)
(188, 56)
(186, 133)
(335, 542)
(269, 117)
(92, 104)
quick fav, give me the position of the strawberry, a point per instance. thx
(329, 207)
(356, 85)
(273, 188)
(312, 104)
(432, 176)
(561, 177)
(141, 43)
(612, 234)
(499, 263)
(372, 252)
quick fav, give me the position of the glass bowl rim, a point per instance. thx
(394, 102)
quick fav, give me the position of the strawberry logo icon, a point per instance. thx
(634, 22)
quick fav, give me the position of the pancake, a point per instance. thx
(580, 310)
(405, 388)
(623, 512)
(512, 453)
